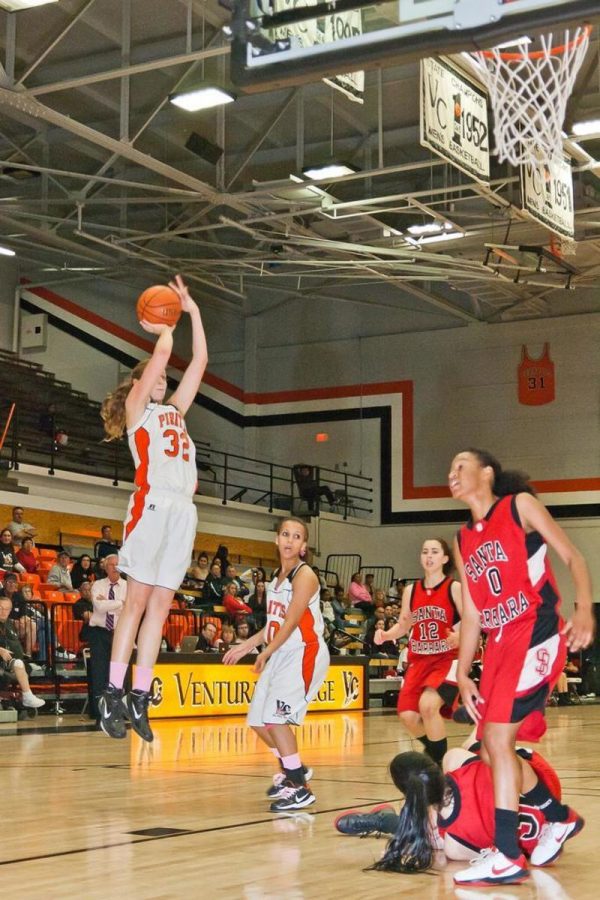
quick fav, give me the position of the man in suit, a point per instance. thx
(108, 596)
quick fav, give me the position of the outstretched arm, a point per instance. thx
(404, 623)
(185, 394)
(304, 586)
(137, 397)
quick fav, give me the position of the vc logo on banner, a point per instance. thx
(351, 688)
(156, 691)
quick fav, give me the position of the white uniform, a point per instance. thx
(160, 526)
(295, 672)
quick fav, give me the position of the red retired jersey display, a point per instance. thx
(508, 571)
(433, 614)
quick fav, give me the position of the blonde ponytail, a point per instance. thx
(113, 406)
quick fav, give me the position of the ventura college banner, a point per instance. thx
(212, 689)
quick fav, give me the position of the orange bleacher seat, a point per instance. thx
(44, 567)
(177, 625)
(46, 554)
(50, 595)
(32, 579)
(35, 552)
(67, 628)
(71, 596)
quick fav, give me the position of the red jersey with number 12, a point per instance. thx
(163, 452)
(507, 569)
(433, 614)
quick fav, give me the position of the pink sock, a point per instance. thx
(275, 752)
(291, 762)
(142, 678)
(117, 674)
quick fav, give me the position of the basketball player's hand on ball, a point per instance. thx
(180, 288)
(471, 697)
(579, 629)
(156, 327)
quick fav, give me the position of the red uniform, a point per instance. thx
(431, 663)
(512, 585)
(471, 820)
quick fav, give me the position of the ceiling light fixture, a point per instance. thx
(435, 238)
(328, 170)
(430, 228)
(205, 96)
(17, 5)
(6, 251)
(592, 126)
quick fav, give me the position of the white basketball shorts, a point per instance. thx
(288, 683)
(158, 539)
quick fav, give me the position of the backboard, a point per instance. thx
(530, 265)
(276, 43)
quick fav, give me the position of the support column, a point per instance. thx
(251, 326)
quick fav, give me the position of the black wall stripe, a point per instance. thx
(383, 413)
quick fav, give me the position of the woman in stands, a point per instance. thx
(451, 812)
(292, 666)
(160, 527)
(8, 556)
(27, 557)
(430, 609)
(509, 591)
(82, 571)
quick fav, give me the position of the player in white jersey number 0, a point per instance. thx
(292, 665)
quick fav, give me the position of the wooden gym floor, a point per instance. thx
(84, 816)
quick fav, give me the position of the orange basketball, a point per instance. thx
(159, 305)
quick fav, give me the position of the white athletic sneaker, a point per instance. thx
(277, 787)
(31, 701)
(493, 867)
(553, 837)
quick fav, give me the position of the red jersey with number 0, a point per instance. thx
(163, 452)
(507, 570)
(433, 614)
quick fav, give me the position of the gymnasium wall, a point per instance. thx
(8, 284)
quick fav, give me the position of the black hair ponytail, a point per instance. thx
(506, 481)
(413, 847)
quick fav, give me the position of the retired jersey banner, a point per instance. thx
(454, 118)
(211, 689)
(536, 378)
(547, 194)
(325, 30)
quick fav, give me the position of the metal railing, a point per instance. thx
(383, 576)
(230, 477)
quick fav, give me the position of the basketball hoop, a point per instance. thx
(529, 92)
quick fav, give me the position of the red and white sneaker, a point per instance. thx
(553, 837)
(493, 867)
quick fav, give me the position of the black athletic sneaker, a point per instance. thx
(279, 783)
(380, 820)
(461, 716)
(136, 709)
(110, 707)
(293, 796)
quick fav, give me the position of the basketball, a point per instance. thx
(159, 305)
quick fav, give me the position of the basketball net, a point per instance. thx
(529, 91)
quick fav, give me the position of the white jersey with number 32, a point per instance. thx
(163, 452)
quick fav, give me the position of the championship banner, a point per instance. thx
(454, 118)
(212, 689)
(325, 31)
(547, 194)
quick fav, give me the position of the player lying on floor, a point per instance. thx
(452, 810)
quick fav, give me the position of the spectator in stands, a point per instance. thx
(327, 606)
(106, 544)
(227, 638)
(389, 612)
(233, 604)
(394, 592)
(8, 557)
(82, 571)
(12, 664)
(359, 595)
(20, 616)
(199, 570)
(222, 558)
(242, 633)
(251, 577)
(26, 556)
(340, 604)
(396, 610)
(108, 597)
(213, 586)
(207, 639)
(37, 622)
(310, 490)
(83, 609)
(258, 604)
(369, 578)
(232, 575)
(59, 576)
(18, 528)
(387, 649)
